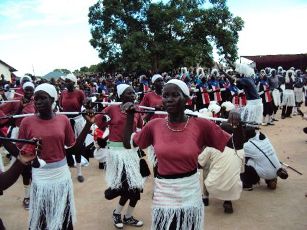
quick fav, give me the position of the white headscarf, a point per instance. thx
(24, 77)
(214, 107)
(50, 89)
(228, 106)
(245, 70)
(28, 84)
(183, 86)
(71, 77)
(156, 77)
(121, 88)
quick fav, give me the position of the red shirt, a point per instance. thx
(54, 133)
(152, 99)
(15, 108)
(117, 122)
(18, 93)
(72, 101)
(177, 152)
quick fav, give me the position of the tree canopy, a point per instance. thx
(139, 34)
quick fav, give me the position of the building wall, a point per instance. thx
(5, 71)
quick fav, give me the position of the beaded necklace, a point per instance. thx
(177, 130)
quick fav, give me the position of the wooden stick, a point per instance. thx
(58, 113)
(19, 140)
(108, 103)
(10, 101)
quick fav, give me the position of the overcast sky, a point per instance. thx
(41, 35)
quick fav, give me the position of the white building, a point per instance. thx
(6, 70)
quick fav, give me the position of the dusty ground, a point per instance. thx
(261, 209)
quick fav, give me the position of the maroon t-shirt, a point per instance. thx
(54, 133)
(177, 152)
(72, 101)
(18, 93)
(117, 122)
(152, 99)
(16, 108)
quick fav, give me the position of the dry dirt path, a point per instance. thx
(260, 209)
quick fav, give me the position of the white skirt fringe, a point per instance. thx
(152, 156)
(1, 163)
(79, 124)
(178, 198)
(118, 159)
(100, 154)
(253, 111)
(51, 194)
(276, 97)
(299, 95)
(288, 98)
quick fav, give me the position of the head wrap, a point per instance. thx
(214, 71)
(24, 78)
(71, 77)
(200, 71)
(183, 86)
(156, 77)
(50, 89)
(245, 70)
(214, 107)
(121, 88)
(287, 78)
(28, 84)
(228, 106)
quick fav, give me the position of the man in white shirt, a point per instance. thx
(262, 161)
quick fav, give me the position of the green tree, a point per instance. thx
(134, 35)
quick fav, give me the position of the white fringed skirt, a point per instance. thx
(253, 111)
(51, 196)
(299, 95)
(276, 97)
(122, 161)
(288, 98)
(180, 201)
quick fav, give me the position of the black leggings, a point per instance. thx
(26, 175)
(250, 176)
(173, 225)
(67, 224)
(70, 160)
(123, 200)
(1, 225)
(286, 111)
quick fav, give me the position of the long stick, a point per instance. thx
(18, 140)
(189, 114)
(192, 115)
(107, 103)
(145, 107)
(10, 101)
(119, 103)
(288, 166)
(58, 113)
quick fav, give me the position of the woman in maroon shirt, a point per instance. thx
(25, 106)
(52, 200)
(154, 98)
(123, 165)
(177, 141)
(71, 100)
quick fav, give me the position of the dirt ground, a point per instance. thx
(261, 209)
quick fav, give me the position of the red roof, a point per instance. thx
(298, 61)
